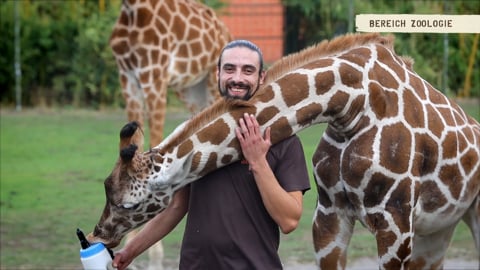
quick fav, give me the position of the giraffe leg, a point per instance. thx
(155, 253)
(472, 219)
(156, 100)
(133, 97)
(429, 250)
(195, 97)
(331, 235)
(155, 256)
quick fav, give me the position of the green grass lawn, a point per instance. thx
(52, 168)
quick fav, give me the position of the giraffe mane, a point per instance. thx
(278, 69)
(325, 48)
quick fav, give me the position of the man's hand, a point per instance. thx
(254, 146)
(122, 259)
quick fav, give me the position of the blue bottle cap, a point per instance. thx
(92, 250)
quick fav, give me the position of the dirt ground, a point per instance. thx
(371, 264)
(359, 264)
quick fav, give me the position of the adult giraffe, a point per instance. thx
(397, 155)
(166, 43)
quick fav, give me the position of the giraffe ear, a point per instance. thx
(131, 140)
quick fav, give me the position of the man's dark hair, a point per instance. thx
(242, 43)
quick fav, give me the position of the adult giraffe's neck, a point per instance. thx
(200, 147)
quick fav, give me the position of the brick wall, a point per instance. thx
(260, 21)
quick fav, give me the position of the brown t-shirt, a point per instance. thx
(227, 225)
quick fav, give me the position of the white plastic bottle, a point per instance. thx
(93, 256)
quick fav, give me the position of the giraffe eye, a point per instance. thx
(129, 205)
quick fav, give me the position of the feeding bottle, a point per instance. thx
(93, 256)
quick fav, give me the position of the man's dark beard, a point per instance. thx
(247, 96)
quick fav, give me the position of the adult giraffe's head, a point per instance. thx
(130, 202)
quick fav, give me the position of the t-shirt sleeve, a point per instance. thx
(291, 169)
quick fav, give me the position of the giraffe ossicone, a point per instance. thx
(397, 155)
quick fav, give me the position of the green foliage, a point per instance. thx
(65, 55)
(311, 21)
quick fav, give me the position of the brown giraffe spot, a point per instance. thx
(336, 104)
(382, 76)
(330, 260)
(417, 85)
(144, 17)
(326, 62)
(161, 26)
(450, 146)
(418, 263)
(137, 218)
(385, 239)
(234, 143)
(469, 160)
(357, 158)
(193, 33)
(210, 165)
(324, 81)
(306, 114)
(376, 222)
(226, 159)
(326, 227)
(393, 264)
(468, 133)
(264, 94)
(267, 114)
(152, 208)
(404, 250)
(183, 50)
(327, 163)
(434, 124)
(383, 103)
(323, 198)
(184, 148)
(178, 23)
(197, 157)
(398, 205)
(350, 76)
(350, 199)
(377, 188)
(220, 132)
(280, 130)
(150, 37)
(426, 155)
(183, 10)
(446, 114)
(155, 55)
(432, 198)
(395, 145)
(413, 110)
(296, 85)
(451, 176)
(435, 96)
(386, 57)
(120, 48)
(358, 56)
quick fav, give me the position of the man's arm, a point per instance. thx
(284, 207)
(154, 230)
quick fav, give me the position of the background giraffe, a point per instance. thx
(397, 154)
(166, 43)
